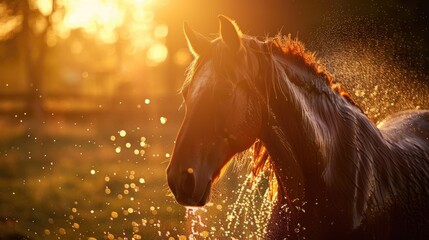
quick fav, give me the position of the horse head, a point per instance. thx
(223, 113)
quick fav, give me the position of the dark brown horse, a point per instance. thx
(339, 175)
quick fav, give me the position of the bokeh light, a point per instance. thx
(10, 24)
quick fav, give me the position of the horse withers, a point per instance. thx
(339, 175)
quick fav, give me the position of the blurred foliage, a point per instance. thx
(53, 49)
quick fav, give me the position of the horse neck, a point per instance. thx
(313, 138)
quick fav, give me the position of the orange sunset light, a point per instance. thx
(110, 22)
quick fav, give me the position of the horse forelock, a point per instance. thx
(223, 62)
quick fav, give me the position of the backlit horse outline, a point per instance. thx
(340, 175)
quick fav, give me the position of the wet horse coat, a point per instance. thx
(339, 175)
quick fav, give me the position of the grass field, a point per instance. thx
(72, 188)
(82, 180)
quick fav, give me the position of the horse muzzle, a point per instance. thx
(187, 189)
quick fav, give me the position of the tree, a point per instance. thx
(34, 54)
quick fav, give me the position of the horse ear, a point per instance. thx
(197, 43)
(230, 33)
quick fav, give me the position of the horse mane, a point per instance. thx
(294, 50)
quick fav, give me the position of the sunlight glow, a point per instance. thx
(130, 23)
(8, 22)
(157, 53)
(84, 13)
(161, 31)
(44, 6)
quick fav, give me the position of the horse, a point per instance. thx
(339, 175)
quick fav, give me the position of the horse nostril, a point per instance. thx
(188, 182)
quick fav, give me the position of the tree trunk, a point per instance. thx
(34, 53)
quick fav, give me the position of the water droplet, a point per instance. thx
(204, 234)
(76, 225)
(118, 149)
(62, 231)
(110, 236)
(122, 133)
